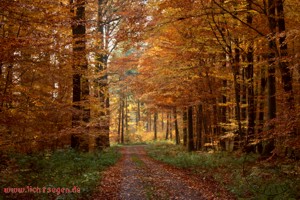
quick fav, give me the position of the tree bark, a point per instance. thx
(119, 120)
(224, 96)
(184, 130)
(177, 137)
(190, 138)
(171, 126)
(149, 122)
(199, 127)
(250, 86)
(286, 74)
(102, 140)
(138, 114)
(79, 64)
(122, 121)
(261, 107)
(126, 115)
(236, 68)
(155, 126)
(168, 127)
(162, 122)
(243, 94)
(271, 80)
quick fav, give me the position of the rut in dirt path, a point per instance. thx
(139, 177)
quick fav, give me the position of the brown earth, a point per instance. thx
(136, 177)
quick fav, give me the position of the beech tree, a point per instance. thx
(35, 106)
(80, 82)
(217, 51)
(215, 73)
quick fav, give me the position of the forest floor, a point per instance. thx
(137, 176)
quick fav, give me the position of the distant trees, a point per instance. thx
(234, 73)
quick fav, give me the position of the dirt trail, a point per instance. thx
(138, 177)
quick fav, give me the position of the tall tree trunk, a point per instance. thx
(261, 107)
(138, 114)
(155, 126)
(7, 94)
(122, 120)
(168, 127)
(126, 115)
(205, 127)
(171, 126)
(286, 74)
(184, 130)
(190, 138)
(102, 140)
(199, 127)
(250, 86)
(236, 68)
(243, 95)
(177, 137)
(271, 80)
(79, 64)
(250, 93)
(119, 120)
(150, 122)
(162, 121)
(224, 95)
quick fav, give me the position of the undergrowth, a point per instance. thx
(245, 175)
(60, 169)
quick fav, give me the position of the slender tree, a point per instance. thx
(155, 125)
(250, 83)
(190, 138)
(177, 136)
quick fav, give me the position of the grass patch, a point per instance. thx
(244, 175)
(60, 169)
(137, 161)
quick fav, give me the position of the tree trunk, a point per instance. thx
(250, 87)
(122, 121)
(162, 122)
(236, 68)
(119, 120)
(177, 137)
(261, 107)
(150, 123)
(271, 81)
(286, 74)
(79, 63)
(155, 126)
(224, 96)
(138, 114)
(243, 95)
(171, 126)
(102, 140)
(250, 100)
(199, 127)
(168, 127)
(190, 138)
(126, 115)
(184, 130)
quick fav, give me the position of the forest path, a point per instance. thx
(137, 177)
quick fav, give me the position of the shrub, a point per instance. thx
(60, 169)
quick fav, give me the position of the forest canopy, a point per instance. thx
(83, 73)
